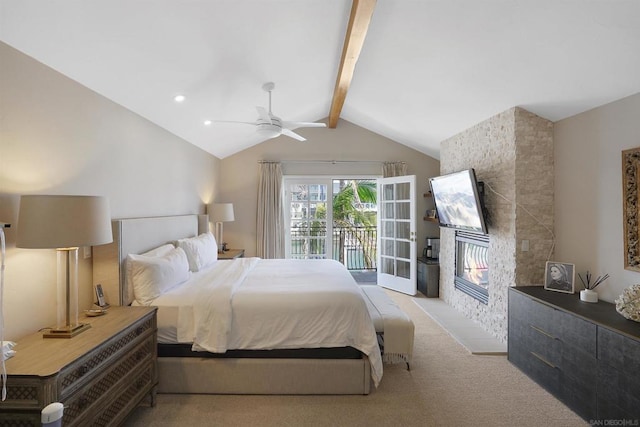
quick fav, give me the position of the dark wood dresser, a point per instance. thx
(585, 354)
(100, 375)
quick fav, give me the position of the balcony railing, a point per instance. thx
(355, 247)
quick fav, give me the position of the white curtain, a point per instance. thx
(390, 169)
(270, 226)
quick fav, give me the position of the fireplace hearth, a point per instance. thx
(472, 265)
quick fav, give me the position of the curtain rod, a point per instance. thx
(327, 161)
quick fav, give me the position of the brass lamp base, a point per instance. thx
(67, 331)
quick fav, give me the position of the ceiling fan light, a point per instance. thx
(266, 132)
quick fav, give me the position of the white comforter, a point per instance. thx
(251, 303)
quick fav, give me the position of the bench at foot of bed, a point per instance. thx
(393, 325)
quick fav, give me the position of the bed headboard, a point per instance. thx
(134, 236)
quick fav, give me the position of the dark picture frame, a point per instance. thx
(630, 215)
(559, 277)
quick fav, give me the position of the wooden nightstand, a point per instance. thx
(100, 375)
(231, 254)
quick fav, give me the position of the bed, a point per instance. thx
(276, 354)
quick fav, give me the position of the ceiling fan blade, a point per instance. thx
(233, 121)
(292, 134)
(295, 125)
(262, 113)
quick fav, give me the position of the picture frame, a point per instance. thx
(100, 296)
(630, 204)
(559, 277)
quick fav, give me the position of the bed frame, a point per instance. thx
(218, 375)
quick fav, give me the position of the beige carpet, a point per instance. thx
(447, 386)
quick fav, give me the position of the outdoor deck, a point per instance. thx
(365, 276)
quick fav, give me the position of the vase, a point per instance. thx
(587, 295)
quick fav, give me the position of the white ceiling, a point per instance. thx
(428, 70)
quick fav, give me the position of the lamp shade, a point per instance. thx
(51, 222)
(222, 212)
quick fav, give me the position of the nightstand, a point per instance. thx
(231, 254)
(100, 375)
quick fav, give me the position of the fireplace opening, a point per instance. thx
(472, 265)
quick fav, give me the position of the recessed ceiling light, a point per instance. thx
(179, 98)
(207, 122)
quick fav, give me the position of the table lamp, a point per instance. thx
(221, 212)
(64, 223)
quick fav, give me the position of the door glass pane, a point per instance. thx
(387, 229)
(403, 210)
(387, 247)
(387, 192)
(387, 211)
(387, 266)
(403, 230)
(403, 191)
(404, 269)
(404, 249)
(317, 247)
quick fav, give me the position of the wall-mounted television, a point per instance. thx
(459, 201)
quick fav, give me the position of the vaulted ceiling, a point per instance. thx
(428, 69)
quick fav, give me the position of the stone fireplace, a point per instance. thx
(512, 153)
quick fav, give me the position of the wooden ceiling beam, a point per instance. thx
(361, 13)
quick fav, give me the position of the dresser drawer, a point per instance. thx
(118, 375)
(556, 324)
(530, 312)
(536, 368)
(21, 419)
(619, 389)
(618, 374)
(619, 351)
(579, 394)
(76, 375)
(114, 412)
(26, 393)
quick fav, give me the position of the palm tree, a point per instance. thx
(350, 218)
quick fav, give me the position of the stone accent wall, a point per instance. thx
(512, 153)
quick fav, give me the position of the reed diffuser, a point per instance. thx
(588, 294)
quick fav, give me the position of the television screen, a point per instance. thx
(458, 201)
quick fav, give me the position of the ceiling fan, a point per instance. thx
(270, 126)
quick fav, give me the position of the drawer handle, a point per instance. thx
(547, 334)
(543, 360)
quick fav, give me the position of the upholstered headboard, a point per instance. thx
(134, 236)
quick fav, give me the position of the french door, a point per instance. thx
(397, 234)
(307, 206)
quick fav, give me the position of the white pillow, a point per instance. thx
(156, 252)
(201, 251)
(153, 276)
(160, 250)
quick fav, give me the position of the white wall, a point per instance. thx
(58, 137)
(588, 191)
(239, 173)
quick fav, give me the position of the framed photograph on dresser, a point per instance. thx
(559, 277)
